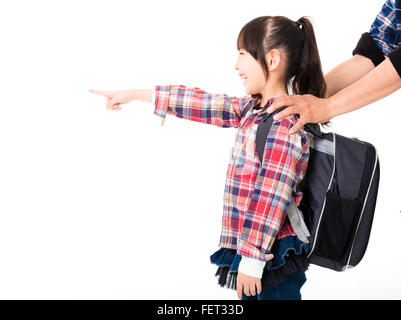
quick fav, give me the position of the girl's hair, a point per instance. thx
(296, 41)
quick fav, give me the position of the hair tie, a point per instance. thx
(299, 25)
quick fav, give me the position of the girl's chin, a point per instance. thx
(247, 90)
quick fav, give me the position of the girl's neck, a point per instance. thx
(272, 90)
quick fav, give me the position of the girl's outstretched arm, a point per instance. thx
(117, 97)
(198, 105)
(183, 102)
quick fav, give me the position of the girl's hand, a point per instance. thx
(249, 284)
(115, 98)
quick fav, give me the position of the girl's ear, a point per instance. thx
(273, 59)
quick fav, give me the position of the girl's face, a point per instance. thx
(251, 71)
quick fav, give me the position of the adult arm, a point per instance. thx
(377, 84)
(345, 91)
(347, 73)
(366, 56)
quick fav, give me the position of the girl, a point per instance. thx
(260, 255)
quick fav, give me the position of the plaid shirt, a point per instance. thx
(256, 195)
(386, 29)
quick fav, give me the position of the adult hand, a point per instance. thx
(310, 109)
(249, 284)
(115, 97)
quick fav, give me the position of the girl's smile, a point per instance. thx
(250, 70)
(254, 78)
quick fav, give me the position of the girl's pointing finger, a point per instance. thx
(106, 94)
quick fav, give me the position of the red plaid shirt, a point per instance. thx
(256, 195)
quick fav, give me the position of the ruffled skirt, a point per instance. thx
(289, 257)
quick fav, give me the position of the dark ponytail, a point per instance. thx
(308, 77)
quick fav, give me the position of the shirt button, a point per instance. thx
(243, 130)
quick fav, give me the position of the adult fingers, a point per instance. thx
(281, 102)
(285, 113)
(298, 125)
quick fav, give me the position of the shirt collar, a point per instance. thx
(261, 110)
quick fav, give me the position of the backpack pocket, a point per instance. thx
(337, 227)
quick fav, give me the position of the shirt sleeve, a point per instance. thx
(284, 164)
(367, 47)
(384, 28)
(381, 40)
(198, 105)
(395, 58)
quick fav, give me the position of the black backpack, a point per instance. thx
(339, 195)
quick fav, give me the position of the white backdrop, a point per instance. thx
(98, 204)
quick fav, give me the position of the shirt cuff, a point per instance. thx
(153, 95)
(368, 48)
(160, 98)
(395, 58)
(251, 267)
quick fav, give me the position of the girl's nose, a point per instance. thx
(236, 64)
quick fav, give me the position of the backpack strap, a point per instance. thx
(262, 132)
(297, 223)
(246, 109)
(293, 213)
(313, 128)
(265, 125)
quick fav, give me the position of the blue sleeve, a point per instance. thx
(384, 28)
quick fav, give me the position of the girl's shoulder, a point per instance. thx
(284, 125)
(280, 129)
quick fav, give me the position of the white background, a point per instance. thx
(98, 204)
